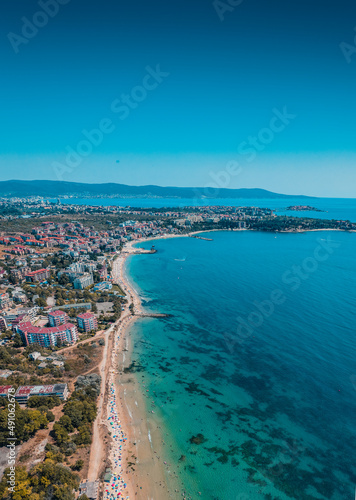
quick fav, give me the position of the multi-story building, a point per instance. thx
(16, 273)
(5, 301)
(32, 312)
(24, 392)
(81, 282)
(87, 321)
(46, 337)
(4, 390)
(3, 324)
(103, 272)
(91, 267)
(57, 318)
(24, 270)
(103, 285)
(77, 267)
(39, 275)
(19, 297)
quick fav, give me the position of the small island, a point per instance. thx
(303, 208)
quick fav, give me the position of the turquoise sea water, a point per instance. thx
(267, 387)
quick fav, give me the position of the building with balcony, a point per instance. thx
(81, 282)
(38, 276)
(57, 318)
(46, 337)
(87, 321)
(24, 392)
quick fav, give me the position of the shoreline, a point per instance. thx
(192, 234)
(134, 450)
(134, 447)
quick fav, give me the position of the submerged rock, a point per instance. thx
(198, 439)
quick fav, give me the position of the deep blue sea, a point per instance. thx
(253, 378)
(333, 208)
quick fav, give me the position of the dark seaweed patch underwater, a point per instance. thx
(267, 416)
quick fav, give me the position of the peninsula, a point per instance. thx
(66, 305)
(48, 189)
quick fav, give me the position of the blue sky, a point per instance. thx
(224, 81)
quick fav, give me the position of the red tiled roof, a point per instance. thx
(24, 390)
(29, 328)
(33, 273)
(56, 313)
(86, 316)
(4, 389)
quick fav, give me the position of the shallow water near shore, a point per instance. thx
(251, 412)
(145, 469)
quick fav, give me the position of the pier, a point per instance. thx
(153, 315)
(201, 238)
(140, 251)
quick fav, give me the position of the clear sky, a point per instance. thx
(182, 90)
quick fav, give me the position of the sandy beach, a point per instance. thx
(134, 450)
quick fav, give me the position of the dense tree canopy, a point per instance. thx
(45, 481)
(27, 423)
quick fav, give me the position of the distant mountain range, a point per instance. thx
(54, 189)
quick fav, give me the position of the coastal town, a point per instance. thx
(65, 306)
(111, 226)
(60, 297)
(177, 250)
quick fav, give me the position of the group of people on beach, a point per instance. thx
(117, 486)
